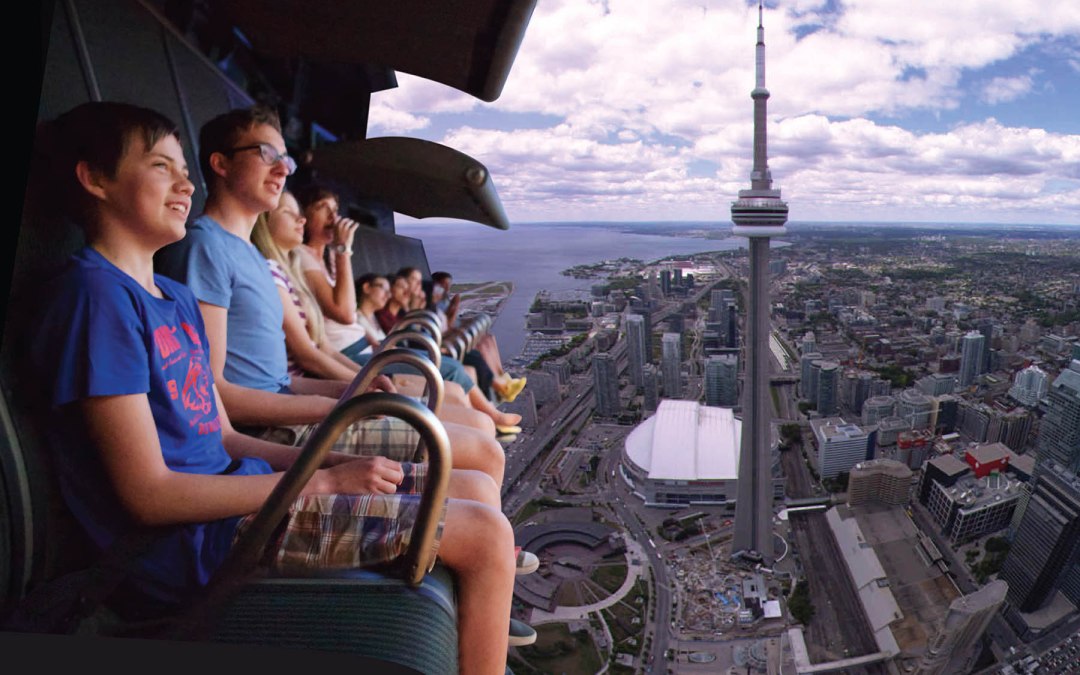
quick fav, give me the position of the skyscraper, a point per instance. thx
(1059, 433)
(670, 364)
(651, 384)
(607, 384)
(1047, 539)
(758, 214)
(951, 649)
(722, 380)
(828, 388)
(636, 343)
(971, 357)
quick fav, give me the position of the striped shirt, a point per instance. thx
(283, 280)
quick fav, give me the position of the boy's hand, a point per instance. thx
(365, 476)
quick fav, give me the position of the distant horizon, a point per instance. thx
(409, 222)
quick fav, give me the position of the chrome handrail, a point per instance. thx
(434, 388)
(424, 323)
(249, 548)
(425, 341)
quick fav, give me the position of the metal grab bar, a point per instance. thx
(426, 342)
(434, 388)
(249, 548)
(425, 313)
(455, 346)
(423, 323)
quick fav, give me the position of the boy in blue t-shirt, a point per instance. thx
(141, 437)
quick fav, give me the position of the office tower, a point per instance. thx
(953, 648)
(877, 408)
(971, 357)
(729, 323)
(646, 314)
(665, 282)
(1047, 539)
(841, 445)
(651, 385)
(809, 343)
(986, 329)
(828, 388)
(758, 214)
(722, 380)
(671, 364)
(677, 278)
(1059, 431)
(606, 380)
(635, 343)
(807, 376)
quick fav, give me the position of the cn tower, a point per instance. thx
(758, 214)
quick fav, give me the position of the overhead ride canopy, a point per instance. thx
(466, 44)
(415, 177)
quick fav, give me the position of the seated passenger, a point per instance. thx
(278, 235)
(141, 435)
(242, 155)
(506, 387)
(417, 295)
(324, 231)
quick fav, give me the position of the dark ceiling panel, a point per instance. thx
(466, 44)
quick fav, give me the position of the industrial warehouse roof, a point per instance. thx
(687, 441)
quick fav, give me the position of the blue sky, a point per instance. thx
(883, 110)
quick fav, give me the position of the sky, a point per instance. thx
(882, 110)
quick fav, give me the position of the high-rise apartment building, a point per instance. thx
(972, 349)
(635, 342)
(606, 380)
(828, 387)
(671, 364)
(722, 380)
(651, 386)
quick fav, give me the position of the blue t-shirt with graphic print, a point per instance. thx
(103, 334)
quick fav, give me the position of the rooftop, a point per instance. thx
(687, 441)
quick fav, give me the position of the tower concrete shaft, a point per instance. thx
(758, 214)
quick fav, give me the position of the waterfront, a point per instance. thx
(533, 255)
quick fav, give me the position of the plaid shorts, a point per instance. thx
(386, 436)
(347, 531)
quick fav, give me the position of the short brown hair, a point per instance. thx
(98, 133)
(221, 133)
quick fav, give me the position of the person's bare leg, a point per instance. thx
(477, 544)
(475, 486)
(467, 416)
(481, 403)
(477, 450)
(489, 349)
(413, 385)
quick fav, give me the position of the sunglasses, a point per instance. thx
(268, 154)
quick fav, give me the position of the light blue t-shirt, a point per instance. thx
(224, 270)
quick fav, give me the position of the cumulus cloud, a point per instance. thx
(639, 92)
(1003, 89)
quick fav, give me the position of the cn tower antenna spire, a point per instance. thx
(758, 214)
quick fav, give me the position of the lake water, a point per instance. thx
(533, 255)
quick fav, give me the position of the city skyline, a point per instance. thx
(899, 112)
